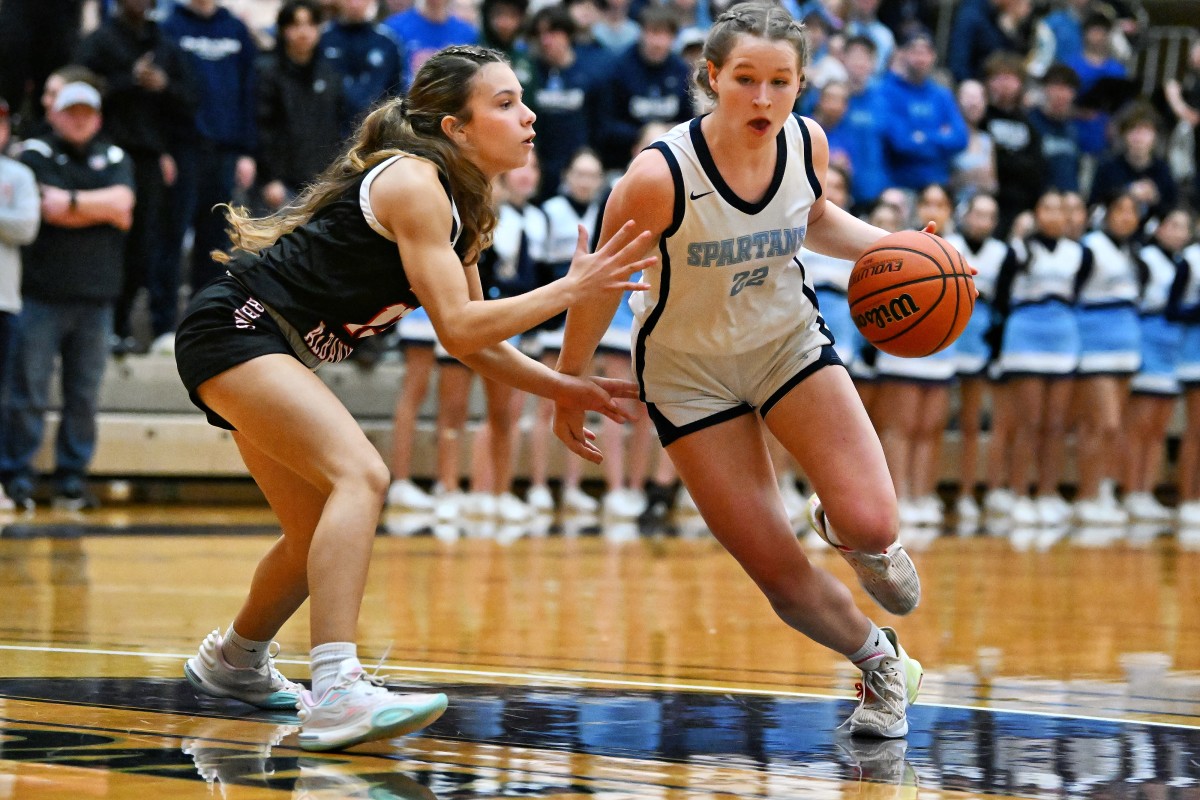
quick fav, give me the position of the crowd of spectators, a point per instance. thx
(207, 109)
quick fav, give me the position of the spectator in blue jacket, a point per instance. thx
(983, 27)
(562, 96)
(214, 153)
(366, 55)
(648, 83)
(1066, 25)
(426, 28)
(863, 125)
(923, 129)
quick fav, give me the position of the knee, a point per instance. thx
(871, 530)
(366, 473)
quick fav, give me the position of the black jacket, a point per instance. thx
(139, 120)
(300, 108)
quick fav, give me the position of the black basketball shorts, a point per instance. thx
(223, 327)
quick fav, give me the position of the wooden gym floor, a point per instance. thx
(587, 661)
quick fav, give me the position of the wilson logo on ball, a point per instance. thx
(911, 294)
(882, 315)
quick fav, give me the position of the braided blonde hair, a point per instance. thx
(765, 20)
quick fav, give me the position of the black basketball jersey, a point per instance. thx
(335, 279)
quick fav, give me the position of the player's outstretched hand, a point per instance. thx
(609, 268)
(589, 394)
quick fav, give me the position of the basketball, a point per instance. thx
(911, 294)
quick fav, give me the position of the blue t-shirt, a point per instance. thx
(1092, 132)
(420, 37)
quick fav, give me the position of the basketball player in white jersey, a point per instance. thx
(730, 328)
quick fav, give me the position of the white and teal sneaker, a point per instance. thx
(886, 693)
(264, 687)
(357, 708)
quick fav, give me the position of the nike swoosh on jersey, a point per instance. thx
(695, 196)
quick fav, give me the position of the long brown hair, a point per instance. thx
(412, 124)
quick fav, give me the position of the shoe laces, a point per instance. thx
(877, 691)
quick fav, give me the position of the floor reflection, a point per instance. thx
(510, 741)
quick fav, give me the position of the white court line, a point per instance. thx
(581, 679)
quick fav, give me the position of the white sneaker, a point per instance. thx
(966, 508)
(509, 508)
(929, 510)
(684, 502)
(478, 505)
(448, 506)
(999, 502)
(794, 503)
(890, 577)
(163, 345)
(1098, 512)
(1024, 512)
(1143, 506)
(1189, 514)
(885, 694)
(909, 512)
(624, 503)
(357, 708)
(1052, 510)
(264, 686)
(540, 499)
(406, 494)
(577, 501)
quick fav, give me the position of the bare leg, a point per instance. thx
(1052, 445)
(1029, 395)
(970, 416)
(418, 366)
(292, 418)
(931, 423)
(899, 405)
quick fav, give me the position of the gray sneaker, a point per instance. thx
(886, 693)
(264, 687)
(890, 577)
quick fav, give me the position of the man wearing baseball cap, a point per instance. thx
(72, 276)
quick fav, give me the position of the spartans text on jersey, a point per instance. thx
(763, 244)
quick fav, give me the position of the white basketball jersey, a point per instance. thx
(730, 277)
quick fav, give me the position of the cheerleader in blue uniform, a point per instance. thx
(1156, 386)
(1039, 353)
(914, 401)
(1110, 354)
(1184, 305)
(974, 347)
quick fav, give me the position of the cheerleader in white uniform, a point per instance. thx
(1110, 354)
(580, 204)
(975, 347)
(1185, 306)
(913, 406)
(1156, 386)
(1039, 352)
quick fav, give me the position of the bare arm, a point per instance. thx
(644, 196)
(112, 205)
(1174, 95)
(19, 222)
(464, 322)
(832, 231)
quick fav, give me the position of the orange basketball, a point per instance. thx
(911, 294)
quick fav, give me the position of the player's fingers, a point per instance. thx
(581, 242)
(930, 227)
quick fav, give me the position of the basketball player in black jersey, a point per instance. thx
(396, 222)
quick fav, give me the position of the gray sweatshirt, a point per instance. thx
(20, 216)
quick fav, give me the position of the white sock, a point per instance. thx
(877, 647)
(243, 653)
(325, 660)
